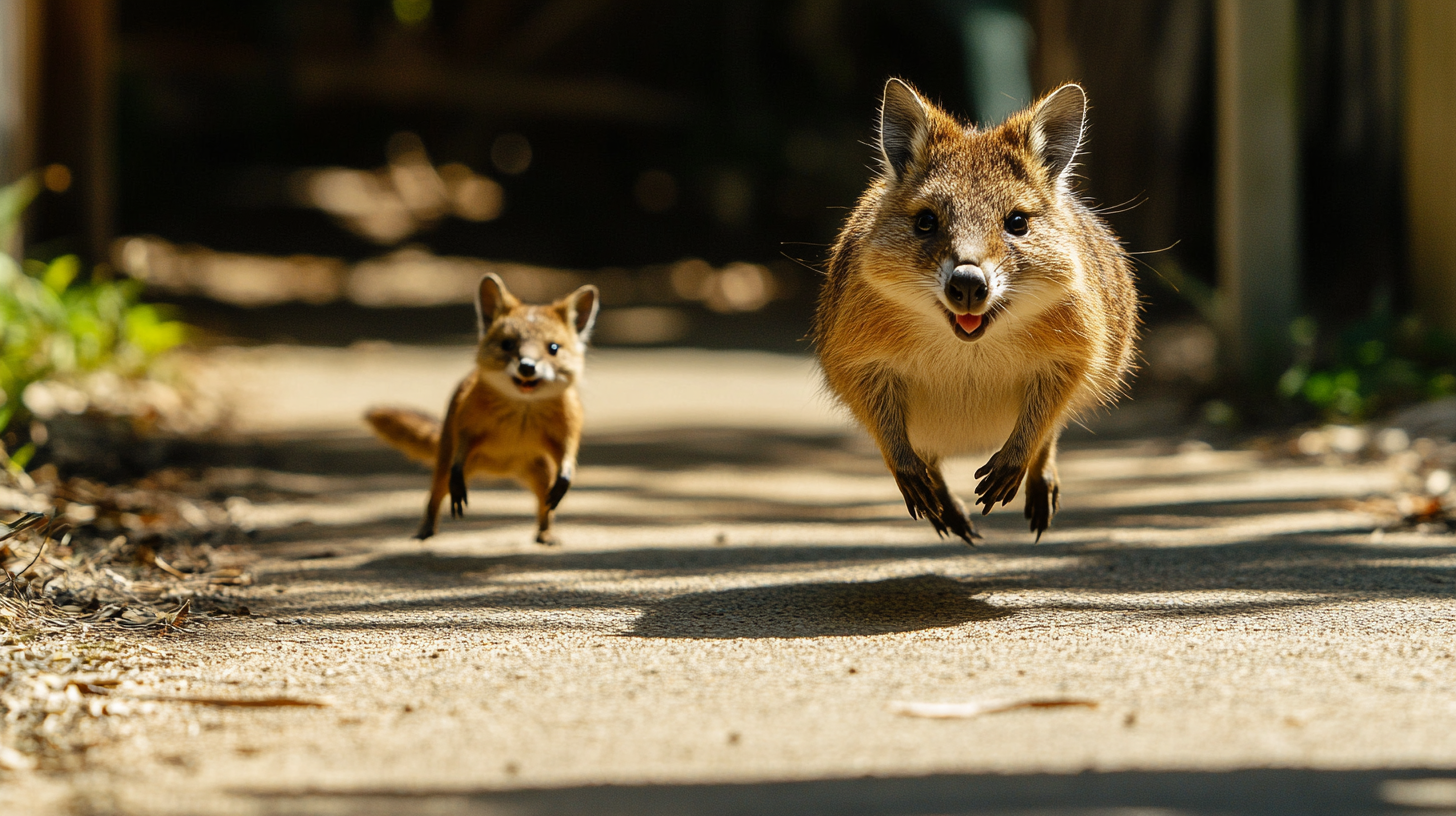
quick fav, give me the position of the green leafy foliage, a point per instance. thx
(55, 326)
(1373, 365)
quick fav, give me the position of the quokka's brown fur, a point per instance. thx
(517, 414)
(973, 303)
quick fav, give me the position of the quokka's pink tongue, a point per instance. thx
(968, 322)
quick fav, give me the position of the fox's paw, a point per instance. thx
(1043, 498)
(426, 530)
(547, 538)
(1002, 480)
(558, 492)
(458, 498)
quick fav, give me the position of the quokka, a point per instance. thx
(973, 303)
(517, 414)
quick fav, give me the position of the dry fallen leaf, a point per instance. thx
(256, 702)
(975, 708)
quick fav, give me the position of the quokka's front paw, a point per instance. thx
(458, 498)
(1043, 498)
(918, 489)
(926, 497)
(1003, 474)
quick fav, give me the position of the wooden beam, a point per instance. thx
(1257, 183)
(20, 41)
(1430, 157)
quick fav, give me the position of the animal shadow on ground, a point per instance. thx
(1263, 791)
(835, 609)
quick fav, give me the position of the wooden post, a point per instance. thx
(76, 123)
(1257, 183)
(1430, 157)
(20, 50)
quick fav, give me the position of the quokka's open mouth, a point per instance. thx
(526, 386)
(968, 326)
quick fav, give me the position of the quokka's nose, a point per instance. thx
(967, 287)
(526, 367)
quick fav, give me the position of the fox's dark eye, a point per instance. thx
(553, 348)
(1016, 224)
(508, 346)
(926, 222)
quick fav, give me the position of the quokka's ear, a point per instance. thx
(492, 300)
(1057, 124)
(580, 310)
(904, 127)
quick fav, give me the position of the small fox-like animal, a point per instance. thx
(517, 414)
(973, 303)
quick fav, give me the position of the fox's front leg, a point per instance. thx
(565, 472)
(439, 486)
(448, 476)
(1034, 437)
(920, 482)
(542, 480)
(447, 479)
(562, 447)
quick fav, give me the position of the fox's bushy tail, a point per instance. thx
(415, 433)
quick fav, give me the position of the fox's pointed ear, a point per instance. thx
(580, 308)
(904, 127)
(1057, 124)
(492, 300)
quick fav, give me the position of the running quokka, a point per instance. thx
(973, 303)
(517, 414)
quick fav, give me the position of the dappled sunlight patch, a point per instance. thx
(1157, 602)
(1283, 483)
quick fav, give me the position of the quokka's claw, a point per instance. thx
(958, 524)
(1000, 484)
(1043, 499)
(918, 493)
(927, 497)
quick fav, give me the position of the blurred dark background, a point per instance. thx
(620, 139)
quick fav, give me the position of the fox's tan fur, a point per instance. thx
(1060, 311)
(499, 422)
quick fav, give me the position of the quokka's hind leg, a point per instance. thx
(1043, 488)
(540, 478)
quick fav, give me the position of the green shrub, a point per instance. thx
(56, 327)
(1372, 366)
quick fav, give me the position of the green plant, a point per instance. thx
(1373, 365)
(56, 327)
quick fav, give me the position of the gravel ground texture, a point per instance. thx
(742, 619)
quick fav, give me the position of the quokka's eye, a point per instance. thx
(926, 222)
(508, 346)
(553, 348)
(1016, 224)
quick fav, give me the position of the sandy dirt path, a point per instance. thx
(741, 609)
